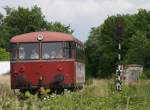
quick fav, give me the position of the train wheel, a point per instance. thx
(60, 91)
(72, 89)
(22, 91)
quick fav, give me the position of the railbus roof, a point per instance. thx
(47, 36)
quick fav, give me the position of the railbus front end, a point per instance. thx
(56, 64)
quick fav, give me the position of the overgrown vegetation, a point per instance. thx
(102, 44)
(100, 95)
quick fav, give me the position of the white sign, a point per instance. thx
(4, 67)
(80, 72)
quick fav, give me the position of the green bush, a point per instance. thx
(146, 74)
(4, 55)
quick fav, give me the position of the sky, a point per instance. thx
(81, 15)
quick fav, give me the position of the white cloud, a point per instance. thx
(81, 14)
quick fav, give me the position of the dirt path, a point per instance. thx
(5, 79)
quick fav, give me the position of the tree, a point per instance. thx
(102, 45)
(24, 20)
(137, 49)
(102, 49)
(58, 27)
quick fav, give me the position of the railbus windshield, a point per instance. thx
(13, 51)
(47, 50)
(29, 51)
(52, 50)
(25, 51)
(57, 50)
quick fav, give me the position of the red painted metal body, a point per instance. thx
(48, 36)
(32, 71)
(29, 74)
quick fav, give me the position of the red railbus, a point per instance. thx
(50, 60)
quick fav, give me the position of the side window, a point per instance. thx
(67, 50)
(52, 50)
(79, 52)
(83, 53)
(73, 47)
(13, 51)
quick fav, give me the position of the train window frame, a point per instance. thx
(38, 51)
(51, 42)
(73, 49)
(80, 53)
(67, 49)
(70, 46)
(11, 52)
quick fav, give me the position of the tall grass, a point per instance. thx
(100, 95)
